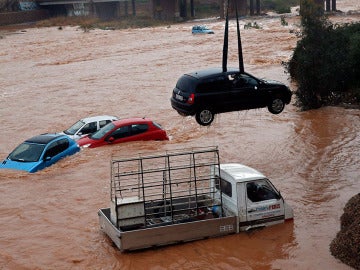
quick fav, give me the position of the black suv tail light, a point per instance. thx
(191, 99)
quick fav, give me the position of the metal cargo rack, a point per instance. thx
(161, 189)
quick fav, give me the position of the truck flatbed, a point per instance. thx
(167, 234)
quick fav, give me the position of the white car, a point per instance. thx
(88, 125)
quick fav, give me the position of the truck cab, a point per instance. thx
(250, 195)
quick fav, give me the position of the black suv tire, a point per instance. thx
(276, 105)
(204, 117)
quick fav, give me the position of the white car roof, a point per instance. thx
(240, 172)
(98, 118)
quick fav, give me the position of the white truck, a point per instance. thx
(186, 195)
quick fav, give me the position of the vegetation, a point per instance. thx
(280, 6)
(283, 21)
(326, 61)
(252, 25)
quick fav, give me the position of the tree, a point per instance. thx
(325, 62)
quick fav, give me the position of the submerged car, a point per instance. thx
(40, 152)
(125, 130)
(88, 125)
(201, 29)
(208, 92)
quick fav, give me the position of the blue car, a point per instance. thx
(40, 152)
(201, 29)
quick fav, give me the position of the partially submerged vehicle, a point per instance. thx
(125, 130)
(39, 152)
(186, 195)
(201, 29)
(88, 125)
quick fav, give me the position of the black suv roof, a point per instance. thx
(209, 72)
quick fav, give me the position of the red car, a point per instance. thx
(125, 130)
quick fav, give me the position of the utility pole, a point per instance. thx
(327, 5)
(333, 5)
(257, 7)
(251, 7)
(192, 8)
(258, 10)
(133, 7)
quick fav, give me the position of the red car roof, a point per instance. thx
(127, 121)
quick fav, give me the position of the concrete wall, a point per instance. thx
(22, 16)
(164, 9)
(242, 7)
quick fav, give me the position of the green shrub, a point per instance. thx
(283, 21)
(252, 25)
(326, 61)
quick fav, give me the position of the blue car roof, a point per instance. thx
(43, 138)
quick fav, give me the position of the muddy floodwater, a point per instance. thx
(50, 78)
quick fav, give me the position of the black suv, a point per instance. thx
(207, 92)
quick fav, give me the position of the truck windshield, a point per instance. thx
(261, 190)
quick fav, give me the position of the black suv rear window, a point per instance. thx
(186, 83)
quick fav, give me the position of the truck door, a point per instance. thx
(264, 204)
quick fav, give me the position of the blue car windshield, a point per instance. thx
(75, 127)
(27, 152)
(102, 131)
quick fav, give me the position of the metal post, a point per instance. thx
(142, 186)
(251, 7)
(133, 7)
(226, 40)
(258, 9)
(126, 8)
(327, 4)
(183, 11)
(192, 8)
(195, 183)
(170, 189)
(333, 5)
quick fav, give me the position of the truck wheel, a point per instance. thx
(204, 117)
(276, 106)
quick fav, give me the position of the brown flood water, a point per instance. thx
(50, 78)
